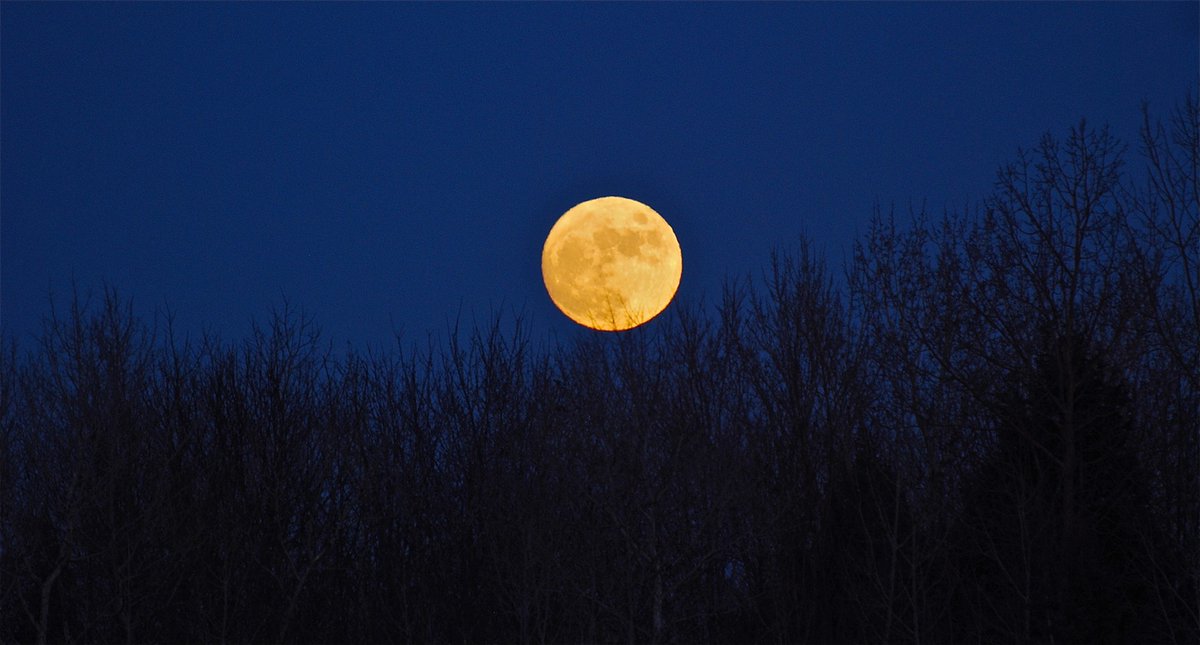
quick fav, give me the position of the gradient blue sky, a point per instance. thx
(386, 166)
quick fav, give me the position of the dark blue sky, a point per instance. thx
(384, 165)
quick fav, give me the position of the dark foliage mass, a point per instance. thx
(989, 432)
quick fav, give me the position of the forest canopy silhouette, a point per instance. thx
(989, 431)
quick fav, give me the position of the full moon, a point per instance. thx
(611, 263)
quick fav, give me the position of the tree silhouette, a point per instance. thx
(1054, 516)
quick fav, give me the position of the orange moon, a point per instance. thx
(611, 263)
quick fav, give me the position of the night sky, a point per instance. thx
(387, 167)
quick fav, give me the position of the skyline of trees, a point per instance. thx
(990, 432)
